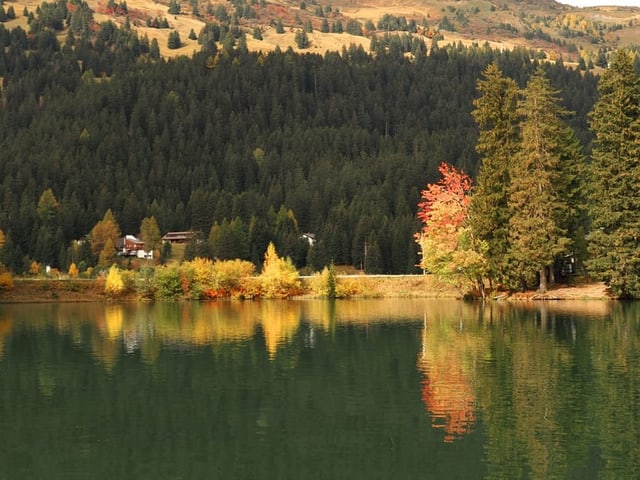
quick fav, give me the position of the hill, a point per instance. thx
(554, 29)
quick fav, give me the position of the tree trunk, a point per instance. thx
(481, 289)
(543, 280)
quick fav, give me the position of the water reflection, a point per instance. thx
(531, 390)
(447, 361)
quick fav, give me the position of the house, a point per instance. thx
(310, 238)
(130, 246)
(178, 237)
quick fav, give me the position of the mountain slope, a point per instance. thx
(557, 30)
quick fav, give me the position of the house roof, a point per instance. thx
(178, 236)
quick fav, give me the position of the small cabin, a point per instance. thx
(178, 237)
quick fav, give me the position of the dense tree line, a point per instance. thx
(539, 208)
(260, 147)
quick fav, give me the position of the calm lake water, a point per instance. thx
(371, 389)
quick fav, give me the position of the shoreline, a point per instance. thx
(362, 286)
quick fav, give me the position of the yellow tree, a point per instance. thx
(106, 229)
(73, 270)
(114, 285)
(279, 277)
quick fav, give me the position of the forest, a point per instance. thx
(244, 148)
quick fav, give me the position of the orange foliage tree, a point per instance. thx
(448, 247)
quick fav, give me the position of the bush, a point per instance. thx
(279, 277)
(6, 281)
(145, 283)
(232, 275)
(168, 282)
(73, 271)
(114, 285)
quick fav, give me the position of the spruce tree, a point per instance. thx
(495, 114)
(537, 235)
(614, 240)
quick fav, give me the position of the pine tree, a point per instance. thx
(496, 116)
(174, 41)
(174, 7)
(536, 233)
(614, 240)
(302, 40)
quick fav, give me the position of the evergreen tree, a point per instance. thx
(614, 241)
(536, 232)
(174, 7)
(373, 256)
(497, 120)
(154, 49)
(302, 40)
(174, 40)
(48, 208)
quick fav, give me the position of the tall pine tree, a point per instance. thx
(614, 240)
(537, 233)
(495, 114)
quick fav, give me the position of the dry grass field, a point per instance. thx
(292, 16)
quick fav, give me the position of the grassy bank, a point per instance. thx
(367, 286)
(356, 286)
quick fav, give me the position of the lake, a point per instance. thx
(363, 389)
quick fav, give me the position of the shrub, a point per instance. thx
(73, 271)
(114, 285)
(145, 284)
(202, 272)
(279, 277)
(168, 282)
(6, 281)
(129, 280)
(231, 275)
(34, 268)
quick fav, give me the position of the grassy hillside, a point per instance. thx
(545, 25)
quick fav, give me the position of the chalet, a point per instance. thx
(310, 238)
(130, 246)
(178, 237)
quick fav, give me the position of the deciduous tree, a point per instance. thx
(150, 233)
(114, 285)
(448, 247)
(105, 230)
(279, 277)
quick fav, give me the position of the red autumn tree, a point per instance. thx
(447, 244)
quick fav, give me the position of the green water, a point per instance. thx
(371, 389)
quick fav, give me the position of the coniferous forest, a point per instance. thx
(244, 148)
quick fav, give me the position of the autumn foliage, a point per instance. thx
(448, 248)
(445, 204)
